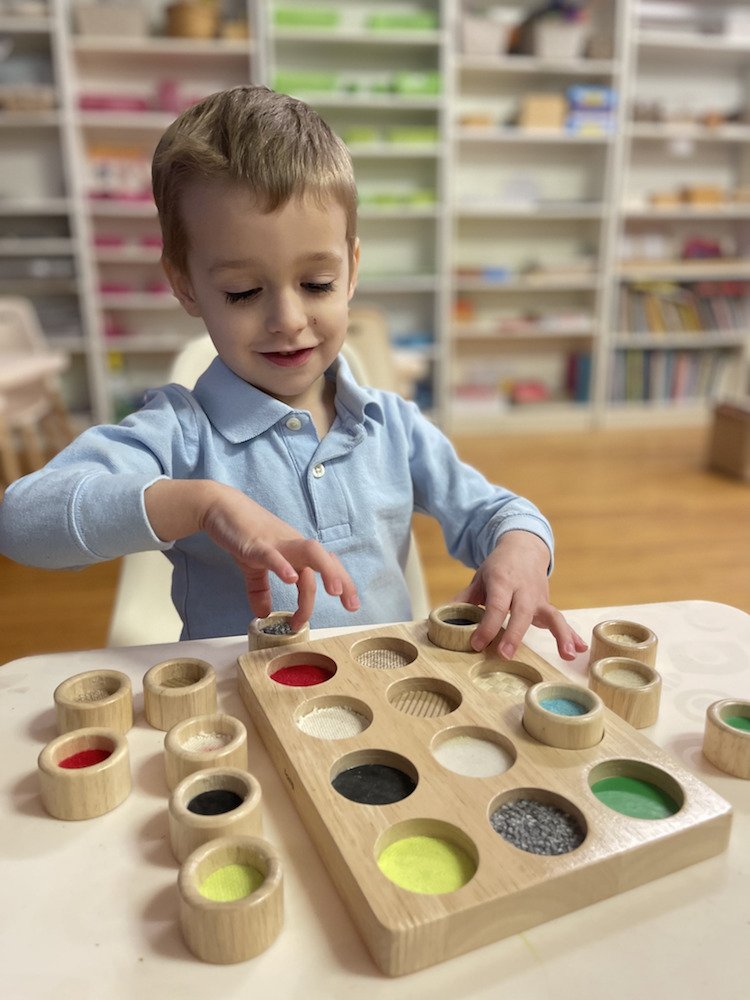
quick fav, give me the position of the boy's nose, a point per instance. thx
(286, 314)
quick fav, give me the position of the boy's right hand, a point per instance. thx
(258, 541)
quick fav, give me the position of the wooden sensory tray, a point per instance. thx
(424, 695)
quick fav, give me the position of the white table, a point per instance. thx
(89, 908)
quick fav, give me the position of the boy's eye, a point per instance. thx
(250, 293)
(318, 286)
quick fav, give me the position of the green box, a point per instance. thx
(424, 21)
(290, 82)
(306, 17)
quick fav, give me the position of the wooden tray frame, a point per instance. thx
(512, 890)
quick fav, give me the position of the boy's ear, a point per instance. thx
(181, 287)
(354, 269)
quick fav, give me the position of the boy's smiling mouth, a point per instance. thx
(289, 359)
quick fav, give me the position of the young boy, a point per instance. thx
(278, 467)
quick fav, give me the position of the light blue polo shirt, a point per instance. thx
(354, 491)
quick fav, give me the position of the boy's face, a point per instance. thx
(272, 288)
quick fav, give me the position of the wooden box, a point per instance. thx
(729, 449)
(543, 111)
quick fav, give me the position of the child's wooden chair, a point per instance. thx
(143, 611)
(34, 421)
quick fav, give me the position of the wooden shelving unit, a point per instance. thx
(503, 254)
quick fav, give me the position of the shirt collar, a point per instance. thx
(241, 412)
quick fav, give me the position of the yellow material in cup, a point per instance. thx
(231, 882)
(429, 865)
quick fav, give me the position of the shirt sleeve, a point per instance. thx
(87, 504)
(473, 512)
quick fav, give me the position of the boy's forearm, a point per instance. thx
(176, 507)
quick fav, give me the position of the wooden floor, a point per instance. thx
(637, 518)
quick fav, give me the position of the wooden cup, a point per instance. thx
(257, 638)
(726, 746)
(95, 698)
(180, 761)
(85, 791)
(442, 632)
(188, 829)
(629, 687)
(178, 689)
(568, 732)
(232, 931)
(623, 638)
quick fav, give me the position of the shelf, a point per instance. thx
(112, 208)
(529, 417)
(35, 206)
(701, 341)
(689, 213)
(397, 283)
(544, 212)
(394, 150)
(532, 65)
(155, 47)
(500, 135)
(19, 25)
(29, 119)
(691, 43)
(127, 255)
(536, 283)
(387, 102)
(687, 131)
(356, 36)
(136, 344)
(138, 301)
(144, 121)
(687, 270)
(36, 247)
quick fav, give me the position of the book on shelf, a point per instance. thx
(662, 307)
(669, 376)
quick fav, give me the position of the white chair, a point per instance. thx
(34, 420)
(143, 612)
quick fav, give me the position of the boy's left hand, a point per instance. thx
(513, 580)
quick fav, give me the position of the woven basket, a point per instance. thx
(192, 20)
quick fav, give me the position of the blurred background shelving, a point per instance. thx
(554, 205)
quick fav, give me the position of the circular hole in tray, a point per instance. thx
(538, 821)
(374, 777)
(512, 678)
(301, 669)
(333, 718)
(384, 653)
(424, 697)
(636, 789)
(473, 752)
(426, 856)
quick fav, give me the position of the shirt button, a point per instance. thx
(319, 470)
(294, 423)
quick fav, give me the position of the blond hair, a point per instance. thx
(277, 146)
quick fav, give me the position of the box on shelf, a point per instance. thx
(729, 449)
(557, 38)
(543, 111)
(481, 36)
(121, 19)
(192, 20)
